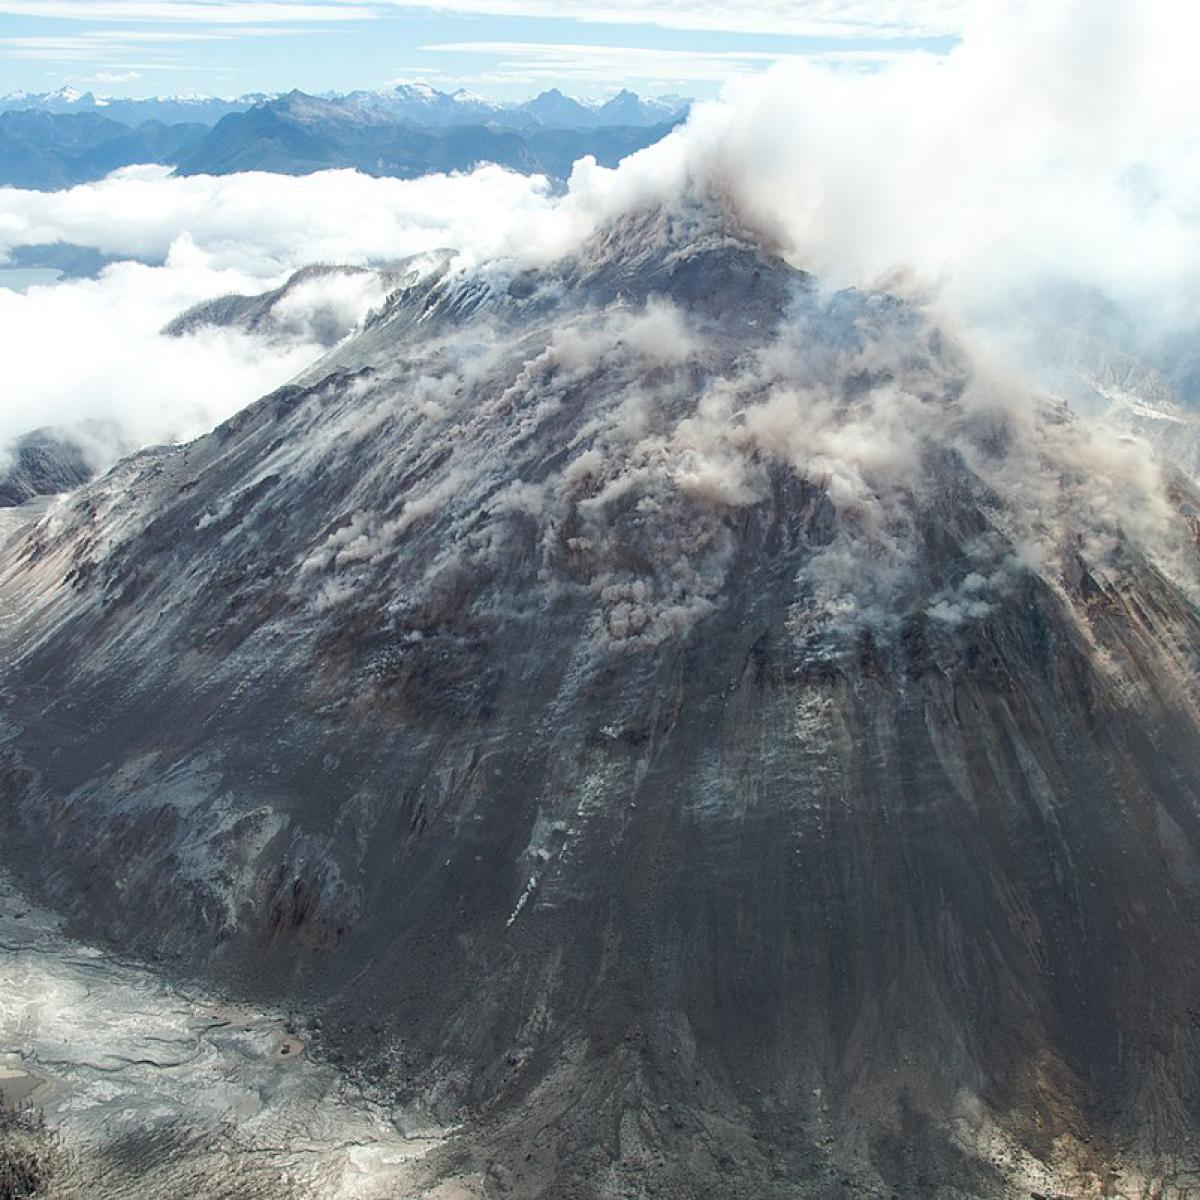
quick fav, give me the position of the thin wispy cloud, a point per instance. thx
(103, 44)
(220, 12)
(815, 18)
(691, 45)
(538, 62)
(531, 62)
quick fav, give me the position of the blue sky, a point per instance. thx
(499, 48)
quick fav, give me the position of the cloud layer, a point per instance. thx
(263, 224)
(88, 356)
(91, 351)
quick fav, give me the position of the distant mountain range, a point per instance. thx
(415, 102)
(297, 133)
(62, 138)
(171, 110)
(550, 109)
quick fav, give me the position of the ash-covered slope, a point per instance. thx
(698, 731)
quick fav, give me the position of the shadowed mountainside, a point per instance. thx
(46, 151)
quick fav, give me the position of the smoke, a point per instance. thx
(325, 308)
(1036, 190)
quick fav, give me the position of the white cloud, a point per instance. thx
(90, 351)
(242, 233)
(265, 224)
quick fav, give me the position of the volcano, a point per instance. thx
(698, 733)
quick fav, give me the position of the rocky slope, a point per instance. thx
(1124, 393)
(699, 732)
(415, 102)
(319, 303)
(42, 463)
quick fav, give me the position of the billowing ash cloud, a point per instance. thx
(1057, 145)
(1045, 174)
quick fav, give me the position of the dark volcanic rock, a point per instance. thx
(669, 718)
(42, 463)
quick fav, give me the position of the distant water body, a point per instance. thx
(21, 279)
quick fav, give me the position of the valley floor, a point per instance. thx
(150, 1090)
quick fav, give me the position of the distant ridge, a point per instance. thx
(411, 101)
(59, 139)
(204, 110)
(379, 134)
